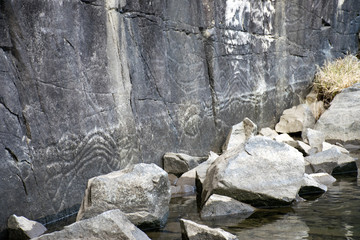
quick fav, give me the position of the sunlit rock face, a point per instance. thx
(88, 87)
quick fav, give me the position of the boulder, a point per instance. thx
(327, 146)
(194, 231)
(239, 133)
(21, 228)
(179, 163)
(141, 191)
(323, 178)
(268, 132)
(285, 138)
(341, 120)
(187, 181)
(296, 119)
(314, 138)
(310, 186)
(331, 161)
(111, 224)
(267, 173)
(218, 205)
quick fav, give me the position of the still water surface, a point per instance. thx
(333, 216)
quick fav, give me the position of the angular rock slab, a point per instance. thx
(194, 231)
(187, 181)
(239, 133)
(331, 161)
(109, 225)
(268, 132)
(141, 191)
(295, 119)
(314, 138)
(341, 120)
(323, 178)
(310, 186)
(23, 228)
(285, 138)
(303, 147)
(218, 205)
(267, 173)
(327, 146)
(179, 163)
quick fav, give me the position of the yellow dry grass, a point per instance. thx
(335, 76)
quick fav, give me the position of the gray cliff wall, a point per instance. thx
(87, 87)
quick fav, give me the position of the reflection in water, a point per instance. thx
(333, 216)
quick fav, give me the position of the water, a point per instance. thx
(333, 216)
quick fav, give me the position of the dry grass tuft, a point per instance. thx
(335, 76)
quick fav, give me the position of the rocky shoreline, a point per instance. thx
(257, 169)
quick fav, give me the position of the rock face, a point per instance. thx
(193, 231)
(218, 205)
(341, 120)
(21, 228)
(296, 119)
(88, 87)
(112, 224)
(141, 191)
(267, 173)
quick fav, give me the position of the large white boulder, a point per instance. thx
(341, 120)
(109, 225)
(141, 191)
(296, 119)
(267, 173)
(239, 133)
(194, 231)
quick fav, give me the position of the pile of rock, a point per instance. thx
(115, 206)
(273, 169)
(268, 169)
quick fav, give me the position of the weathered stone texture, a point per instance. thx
(90, 86)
